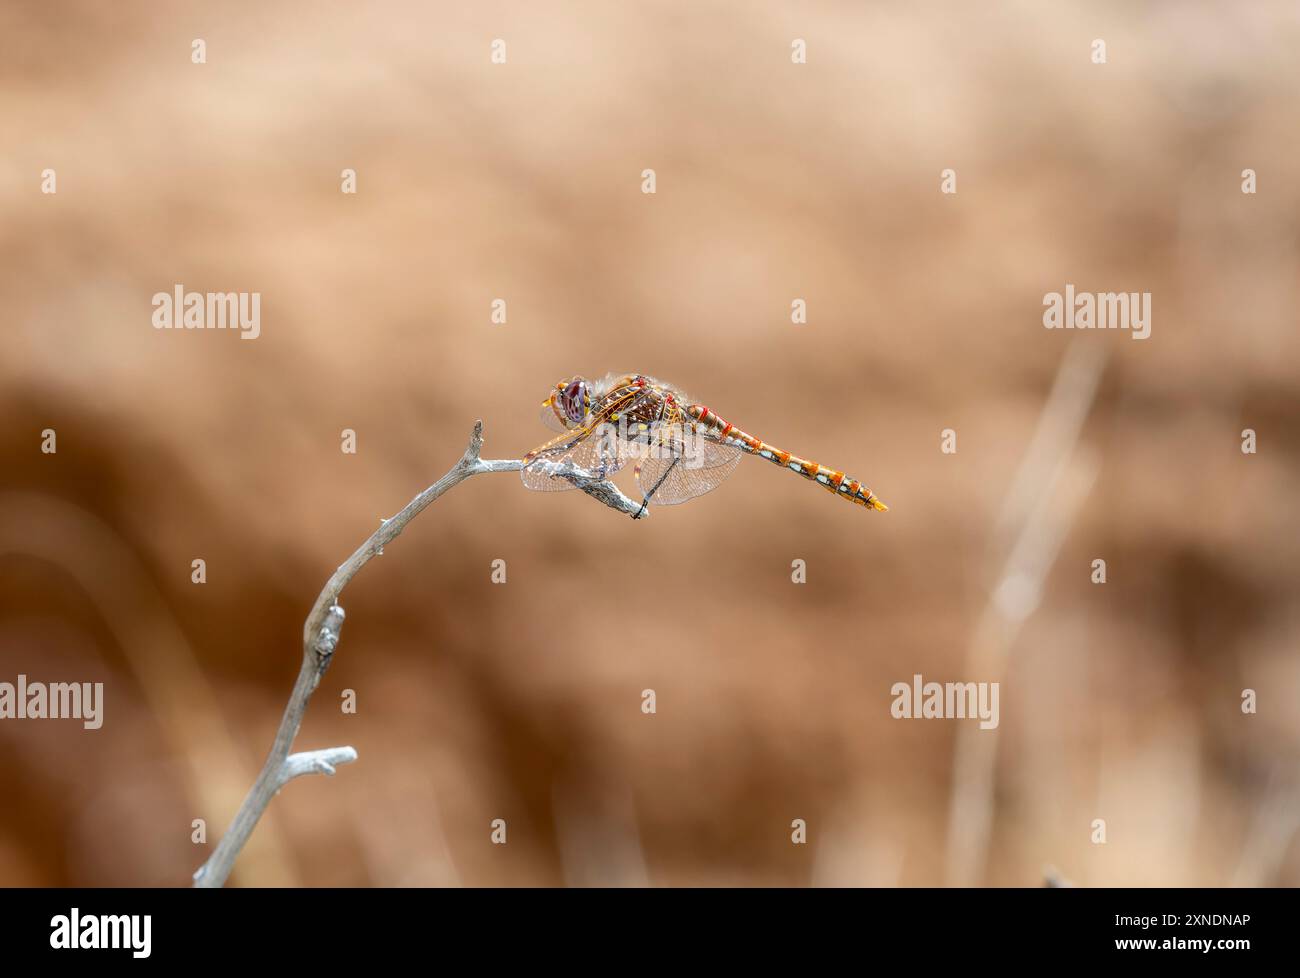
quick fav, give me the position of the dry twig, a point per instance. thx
(320, 640)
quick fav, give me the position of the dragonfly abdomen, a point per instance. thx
(832, 480)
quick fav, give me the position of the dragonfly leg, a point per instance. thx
(646, 502)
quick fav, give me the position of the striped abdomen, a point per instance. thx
(829, 479)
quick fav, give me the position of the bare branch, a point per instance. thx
(320, 638)
(315, 762)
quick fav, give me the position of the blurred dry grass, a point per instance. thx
(775, 181)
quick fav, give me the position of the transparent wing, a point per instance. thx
(596, 448)
(597, 455)
(681, 465)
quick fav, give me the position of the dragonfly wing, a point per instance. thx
(597, 447)
(675, 476)
(713, 454)
(595, 455)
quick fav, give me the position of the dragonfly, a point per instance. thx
(678, 449)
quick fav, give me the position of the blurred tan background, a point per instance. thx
(775, 181)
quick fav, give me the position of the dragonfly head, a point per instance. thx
(571, 401)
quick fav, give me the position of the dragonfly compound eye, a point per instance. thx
(573, 401)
